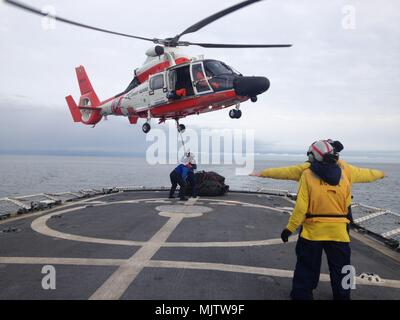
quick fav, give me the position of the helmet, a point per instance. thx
(322, 151)
(189, 158)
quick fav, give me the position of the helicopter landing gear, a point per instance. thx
(235, 113)
(180, 127)
(254, 99)
(146, 127)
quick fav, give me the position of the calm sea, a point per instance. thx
(25, 175)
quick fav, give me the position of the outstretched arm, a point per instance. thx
(364, 175)
(284, 173)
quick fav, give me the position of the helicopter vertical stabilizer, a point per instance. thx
(76, 114)
(88, 94)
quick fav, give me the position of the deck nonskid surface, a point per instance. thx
(141, 245)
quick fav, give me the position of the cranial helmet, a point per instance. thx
(322, 151)
(189, 158)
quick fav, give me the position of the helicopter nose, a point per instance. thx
(251, 86)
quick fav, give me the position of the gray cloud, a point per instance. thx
(332, 83)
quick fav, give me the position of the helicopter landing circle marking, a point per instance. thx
(40, 225)
(184, 211)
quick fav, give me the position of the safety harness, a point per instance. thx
(313, 215)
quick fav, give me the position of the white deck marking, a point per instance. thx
(97, 202)
(62, 261)
(388, 283)
(158, 201)
(229, 244)
(251, 205)
(257, 270)
(120, 280)
(247, 204)
(128, 269)
(220, 267)
(225, 204)
(191, 201)
(39, 225)
(290, 209)
(177, 208)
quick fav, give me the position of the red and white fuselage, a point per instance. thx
(169, 85)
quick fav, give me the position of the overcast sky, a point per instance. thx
(334, 82)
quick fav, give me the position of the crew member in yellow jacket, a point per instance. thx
(355, 174)
(321, 211)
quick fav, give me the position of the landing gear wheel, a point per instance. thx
(253, 99)
(235, 114)
(232, 114)
(181, 128)
(146, 127)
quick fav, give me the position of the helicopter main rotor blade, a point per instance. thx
(226, 45)
(39, 12)
(215, 16)
(170, 42)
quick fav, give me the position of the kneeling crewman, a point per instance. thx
(179, 176)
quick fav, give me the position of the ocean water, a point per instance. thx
(26, 175)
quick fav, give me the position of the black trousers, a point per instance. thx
(191, 179)
(175, 180)
(308, 267)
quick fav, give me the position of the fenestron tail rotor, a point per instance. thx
(169, 42)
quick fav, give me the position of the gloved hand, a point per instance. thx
(285, 235)
(255, 174)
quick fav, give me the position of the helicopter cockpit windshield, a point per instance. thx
(219, 75)
(200, 77)
(216, 68)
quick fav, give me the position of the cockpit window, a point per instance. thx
(157, 82)
(220, 76)
(199, 78)
(215, 68)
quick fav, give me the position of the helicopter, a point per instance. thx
(169, 85)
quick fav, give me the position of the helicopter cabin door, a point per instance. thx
(157, 89)
(199, 80)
